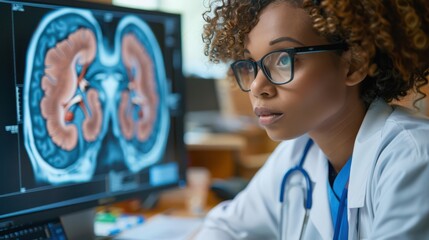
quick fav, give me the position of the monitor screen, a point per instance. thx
(91, 110)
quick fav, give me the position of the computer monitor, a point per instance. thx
(91, 106)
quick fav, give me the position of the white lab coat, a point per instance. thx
(388, 194)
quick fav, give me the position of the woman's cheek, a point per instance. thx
(325, 96)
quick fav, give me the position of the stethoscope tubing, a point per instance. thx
(309, 194)
(309, 198)
(299, 168)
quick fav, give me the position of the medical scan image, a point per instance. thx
(93, 98)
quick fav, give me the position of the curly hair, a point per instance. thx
(391, 36)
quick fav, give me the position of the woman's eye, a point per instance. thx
(244, 67)
(283, 60)
(250, 68)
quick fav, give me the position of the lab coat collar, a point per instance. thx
(364, 154)
(366, 150)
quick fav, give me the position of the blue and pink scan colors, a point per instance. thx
(87, 102)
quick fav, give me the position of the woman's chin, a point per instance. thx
(281, 135)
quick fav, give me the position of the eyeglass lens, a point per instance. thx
(277, 68)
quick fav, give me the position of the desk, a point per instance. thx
(173, 202)
(171, 209)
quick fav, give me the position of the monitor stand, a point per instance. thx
(79, 225)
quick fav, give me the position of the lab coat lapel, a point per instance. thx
(320, 215)
(365, 153)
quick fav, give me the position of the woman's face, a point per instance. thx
(316, 95)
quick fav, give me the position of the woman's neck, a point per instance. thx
(338, 137)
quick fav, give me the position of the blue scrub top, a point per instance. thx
(334, 195)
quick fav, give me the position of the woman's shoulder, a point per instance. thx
(405, 134)
(408, 127)
(392, 137)
(408, 118)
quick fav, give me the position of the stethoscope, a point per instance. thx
(309, 196)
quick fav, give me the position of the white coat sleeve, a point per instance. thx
(401, 198)
(253, 213)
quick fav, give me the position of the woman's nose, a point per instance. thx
(261, 86)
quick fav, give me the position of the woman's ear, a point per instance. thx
(356, 70)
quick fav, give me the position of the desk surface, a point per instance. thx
(171, 207)
(172, 202)
(163, 227)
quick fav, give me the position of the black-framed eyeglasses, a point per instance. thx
(277, 66)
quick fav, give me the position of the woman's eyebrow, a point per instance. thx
(288, 39)
(280, 39)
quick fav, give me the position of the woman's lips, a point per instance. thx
(267, 116)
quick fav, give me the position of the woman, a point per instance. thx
(320, 75)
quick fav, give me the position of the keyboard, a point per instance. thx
(50, 230)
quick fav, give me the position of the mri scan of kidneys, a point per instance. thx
(88, 103)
